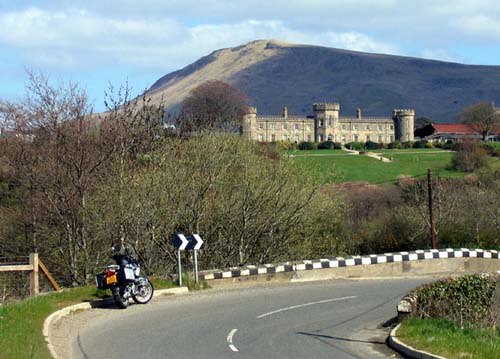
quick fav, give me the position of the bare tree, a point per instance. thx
(483, 117)
(213, 105)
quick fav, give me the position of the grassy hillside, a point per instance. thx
(338, 166)
(276, 74)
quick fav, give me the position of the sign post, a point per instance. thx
(188, 242)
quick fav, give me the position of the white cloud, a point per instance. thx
(76, 38)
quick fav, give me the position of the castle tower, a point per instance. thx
(249, 123)
(326, 120)
(404, 121)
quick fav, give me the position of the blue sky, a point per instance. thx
(95, 42)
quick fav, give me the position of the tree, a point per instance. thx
(482, 116)
(213, 105)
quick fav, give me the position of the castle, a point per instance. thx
(327, 125)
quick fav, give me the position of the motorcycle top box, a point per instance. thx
(100, 281)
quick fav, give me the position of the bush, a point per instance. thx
(407, 144)
(326, 145)
(420, 144)
(305, 146)
(438, 144)
(354, 146)
(468, 300)
(370, 145)
(469, 156)
(394, 145)
(428, 144)
(449, 145)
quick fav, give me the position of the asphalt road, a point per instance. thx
(334, 319)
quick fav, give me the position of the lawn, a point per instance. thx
(445, 338)
(338, 166)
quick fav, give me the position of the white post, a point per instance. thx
(195, 266)
(180, 269)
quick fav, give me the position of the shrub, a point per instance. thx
(354, 146)
(370, 145)
(326, 145)
(449, 145)
(428, 144)
(337, 145)
(419, 144)
(438, 144)
(468, 300)
(469, 156)
(304, 146)
(394, 145)
(407, 144)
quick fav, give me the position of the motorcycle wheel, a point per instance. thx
(144, 292)
(121, 302)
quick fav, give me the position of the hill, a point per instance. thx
(276, 74)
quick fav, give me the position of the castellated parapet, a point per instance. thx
(326, 106)
(404, 112)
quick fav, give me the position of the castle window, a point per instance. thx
(367, 127)
(308, 138)
(308, 128)
(368, 138)
(380, 128)
(321, 123)
(261, 126)
(297, 126)
(355, 127)
(261, 137)
(344, 140)
(296, 139)
(391, 127)
(343, 127)
(285, 126)
(330, 120)
(273, 126)
(284, 138)
(391, 138)
(380, 138)
(273, 138)
(356, 139)
(330, 138)
(321, 138)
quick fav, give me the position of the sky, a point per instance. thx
(100, 42)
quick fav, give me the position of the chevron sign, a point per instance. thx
(187, 242)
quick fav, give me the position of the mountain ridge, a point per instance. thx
(276, 74)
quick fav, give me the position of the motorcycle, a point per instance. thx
(124, 278)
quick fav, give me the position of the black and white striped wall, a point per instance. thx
(349, 261)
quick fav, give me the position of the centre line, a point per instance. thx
(230, 340)
(303, 305)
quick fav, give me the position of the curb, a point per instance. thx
(305, 265)
(89, 305)
(406, 350)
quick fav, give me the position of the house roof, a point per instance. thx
(457, 128)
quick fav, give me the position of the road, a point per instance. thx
(333, 319)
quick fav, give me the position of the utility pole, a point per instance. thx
(431, 214)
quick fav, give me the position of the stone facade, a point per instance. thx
(326, 124)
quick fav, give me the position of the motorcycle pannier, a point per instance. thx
(100, 281)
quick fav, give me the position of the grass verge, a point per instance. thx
(445, 338)
(21, 322)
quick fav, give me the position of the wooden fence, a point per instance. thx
(34, 267)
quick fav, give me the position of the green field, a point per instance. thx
(338, 166)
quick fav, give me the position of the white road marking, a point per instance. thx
(303, 305)
(230, 340)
